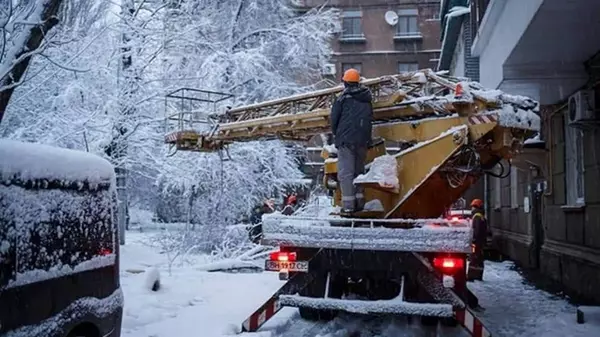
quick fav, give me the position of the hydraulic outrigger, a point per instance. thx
(401, 257)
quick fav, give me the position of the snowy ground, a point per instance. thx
(197, 303)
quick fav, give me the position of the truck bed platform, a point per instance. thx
(318, 233)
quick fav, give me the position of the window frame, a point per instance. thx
(404, 21)
(407, 64)
(514, 187)
(574, 165)
(354, 15)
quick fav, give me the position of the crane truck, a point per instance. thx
(401, 257)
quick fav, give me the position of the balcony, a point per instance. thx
(537, 47)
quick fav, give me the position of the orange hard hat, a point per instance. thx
(477, 203)
(351, 75)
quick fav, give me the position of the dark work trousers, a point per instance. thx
(476, 263)
(351, 163)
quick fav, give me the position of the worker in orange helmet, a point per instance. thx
(351, 122)
(479, 224)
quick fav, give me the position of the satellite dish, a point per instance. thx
(391, 18)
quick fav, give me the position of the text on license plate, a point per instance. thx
(289, 265)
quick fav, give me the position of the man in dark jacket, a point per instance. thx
(479, 223)
(351, 122)
(255, 227)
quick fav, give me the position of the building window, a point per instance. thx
(407, 22)
(497, 193)
(574, 169)
(404, 67)
(514, 187)
(351, 24)
(346, 66)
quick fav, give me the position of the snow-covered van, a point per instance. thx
(59, 274)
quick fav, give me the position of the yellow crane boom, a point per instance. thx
(453, 131)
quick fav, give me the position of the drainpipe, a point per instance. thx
(486, 203)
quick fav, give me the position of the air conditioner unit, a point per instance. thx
(328, 69)
(582, 108)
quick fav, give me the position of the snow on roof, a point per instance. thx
(458, 11)
(30, 161)
(454, 12)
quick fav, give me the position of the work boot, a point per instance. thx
(347, 212)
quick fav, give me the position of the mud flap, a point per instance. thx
(462, 311)
(272, 305)
(472, 324)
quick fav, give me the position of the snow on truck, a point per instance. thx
(399, 257)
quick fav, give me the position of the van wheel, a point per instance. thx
(85, 330)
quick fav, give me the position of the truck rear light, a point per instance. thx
(448, 263)
(282, 256)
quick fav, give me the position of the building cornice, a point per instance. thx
(386, 52)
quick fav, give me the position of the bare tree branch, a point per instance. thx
(31, 44)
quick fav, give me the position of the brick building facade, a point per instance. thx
(377, 48)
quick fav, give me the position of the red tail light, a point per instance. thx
(105, 251)
(448, 263)
(282, 256)
(455, 218)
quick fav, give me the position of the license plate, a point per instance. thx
(289, 265)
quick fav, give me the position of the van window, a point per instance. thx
(56, 213)
(58, 230)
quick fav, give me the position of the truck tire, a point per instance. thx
(309, 314)
(449, 321)
(382, 289)
(429, 320)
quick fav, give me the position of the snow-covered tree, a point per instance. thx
(99, 89)
(23, 25)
